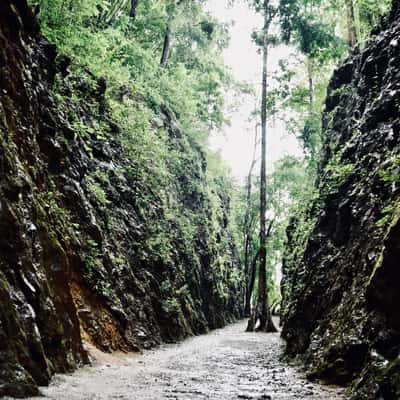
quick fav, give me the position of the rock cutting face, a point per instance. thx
(78, 257)
(342, 312)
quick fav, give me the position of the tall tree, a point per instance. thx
(262, 312)
(310, 25)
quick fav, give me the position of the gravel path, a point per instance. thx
(225, 364)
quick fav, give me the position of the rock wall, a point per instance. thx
(342, 292)
(82, 258)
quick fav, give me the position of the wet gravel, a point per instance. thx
(225, 364)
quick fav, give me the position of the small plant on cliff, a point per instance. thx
(51, 202)
(91, 259)
(390, 213)
(336, 173)
(390, 174)
(98, 193)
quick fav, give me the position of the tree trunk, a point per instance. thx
(248, 223)
(262, 306)
(247, 305)
(262, 310)
(168, 34)
(250, 287)
(167, 43)
(132, 13)
(351, 26)
(310, 84)
(252, 320)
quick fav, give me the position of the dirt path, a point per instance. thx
(225, 364)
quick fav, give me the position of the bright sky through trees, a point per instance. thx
(236, 141)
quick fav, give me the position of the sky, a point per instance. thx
(236, 142)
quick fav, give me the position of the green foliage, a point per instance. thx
(336, 173)
(99, 193)
(390, 174)
(391, 216)
(51, 201)
(311, 26)
(289, 192)
(387, 213)
(154, 105)
(164, 116)
(369, 14)
(127, 56)
(92, 255)
(319, 29)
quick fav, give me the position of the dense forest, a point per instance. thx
(121, 228)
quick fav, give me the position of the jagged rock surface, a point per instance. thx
(77, 251)
(342, 294)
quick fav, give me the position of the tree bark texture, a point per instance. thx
(262, 310)
(132, 13)
(351, 26)
(167, 43)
